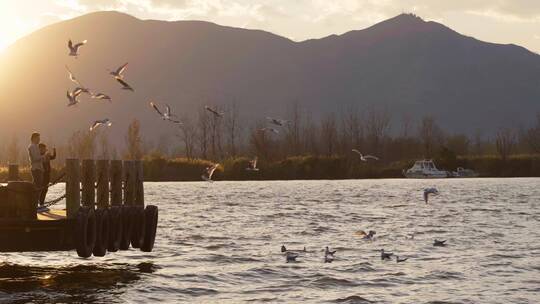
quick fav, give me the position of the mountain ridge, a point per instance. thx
(404, 64)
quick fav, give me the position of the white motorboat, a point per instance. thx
(425, 169)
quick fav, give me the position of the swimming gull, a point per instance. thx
(386, 255)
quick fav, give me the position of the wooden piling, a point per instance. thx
(139, 183)
(129, 182)
(103, 185)
(73, 194)
(88, 182)
(13, 172)
(116, 182)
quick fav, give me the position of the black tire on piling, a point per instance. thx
(85, 231)
(151, 221)
(115, 228)
(102, 232)
(127, 223)
(137, 234)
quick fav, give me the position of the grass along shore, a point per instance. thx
(318, 167)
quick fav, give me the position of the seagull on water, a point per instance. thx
(366, 236)
(74, 48)
(438, 243)
(125, 85)
(328, 252)
(386, 255)
(428, 192)
(101, 96)
(365, 157)
(73, 96)
(252, 165)
(400, 260)
(277, 122)
(97, 123)
(270, 130)
(118, 72)
(291, 256)
(214, 111)
(165, 115)
(209, 171)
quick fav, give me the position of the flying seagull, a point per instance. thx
(74, 48)
(209, 171)
(214, 111)
(72, 77)
(165, 115)
(72, 96)
(430, 191)
(270, 130)
(101, 96)
(118, 72)
(252, 166)
(125, 85)
(277, 122)
(97, 123)
(365, 157)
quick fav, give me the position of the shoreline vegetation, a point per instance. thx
(158, 168)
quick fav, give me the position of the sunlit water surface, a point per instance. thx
(220, 242)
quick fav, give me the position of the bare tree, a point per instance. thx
(377, 124)
(329, 134)
(351, 130)
(533, 136)
(311, 135)
(261, 141)
(204, 127)
(293, 136)
(188, 136)
(430, 134)
(134, 141)
(82, 144)
(232, 125)
(505, 142)
(104, 145)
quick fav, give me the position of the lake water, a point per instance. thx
(220, 242)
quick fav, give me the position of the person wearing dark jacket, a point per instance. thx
(46, 160)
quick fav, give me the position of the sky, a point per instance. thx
(500, 21)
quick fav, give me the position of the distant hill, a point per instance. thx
(403, 64)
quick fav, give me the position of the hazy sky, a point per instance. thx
(502, 21)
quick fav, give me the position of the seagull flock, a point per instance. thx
(74, 95)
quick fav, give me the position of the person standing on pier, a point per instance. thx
(46, 161)
(36, 163)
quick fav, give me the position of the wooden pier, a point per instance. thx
(104, 211)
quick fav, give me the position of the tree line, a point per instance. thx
(208, 137)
